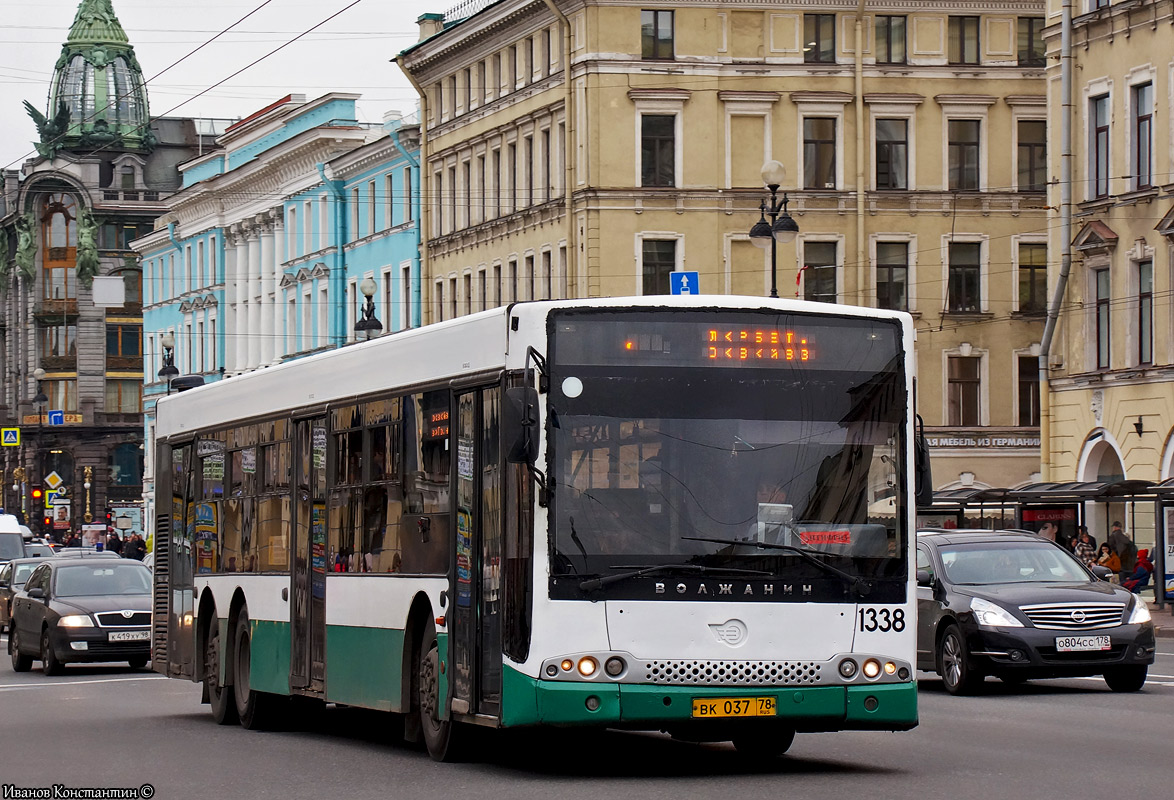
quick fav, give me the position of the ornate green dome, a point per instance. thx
(97, 100)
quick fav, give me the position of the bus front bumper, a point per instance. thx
(528, 701)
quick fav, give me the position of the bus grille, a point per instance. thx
(1074, 616)
(161, 605)
(732, 673)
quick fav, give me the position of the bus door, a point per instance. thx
(475, 626)
(308, 575)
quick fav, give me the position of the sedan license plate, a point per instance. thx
(128, 636)
(707, 707)
(1077, 644)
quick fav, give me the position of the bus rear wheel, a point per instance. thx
(256, 710)
(765, 746)
(442, 737)
(219, 697)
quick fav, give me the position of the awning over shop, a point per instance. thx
(1075, 491)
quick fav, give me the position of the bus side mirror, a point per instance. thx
(922, 475)
(520, 424)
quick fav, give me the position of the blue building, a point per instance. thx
(262, 254)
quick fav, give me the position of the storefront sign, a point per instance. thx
(996, 442)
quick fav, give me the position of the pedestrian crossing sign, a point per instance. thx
(10, 436)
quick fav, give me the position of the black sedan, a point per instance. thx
(82, 609)
(12, 578)
(1016, 606)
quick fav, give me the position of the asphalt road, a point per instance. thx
(106, 726)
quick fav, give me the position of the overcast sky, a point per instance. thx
(351, 53)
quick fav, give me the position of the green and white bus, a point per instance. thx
(688, 514)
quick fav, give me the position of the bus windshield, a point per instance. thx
(723, 439)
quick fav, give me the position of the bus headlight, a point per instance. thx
(872, 668)
(848, 669)
(588, 666)
(614, 666)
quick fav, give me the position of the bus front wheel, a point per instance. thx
(442, 737)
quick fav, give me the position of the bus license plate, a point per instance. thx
(706, 707)
(1076, 644)
(128, 636)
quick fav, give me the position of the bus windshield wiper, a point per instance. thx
(598, 583)
(859, 585)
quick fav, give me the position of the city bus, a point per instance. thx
(681, 514)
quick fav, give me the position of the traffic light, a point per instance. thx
(109, 517)
(46, 524)
(38, 495)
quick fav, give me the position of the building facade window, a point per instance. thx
(1101, 277)
(892, 154)
(892, 275)
(1099, 151)
(1032, 146)
(657, 149)
(59, 341)
(1033, 277)
(819, 38)
(1028, 411)
(890, 39)
(819, 153)
(1145, 312)
(656, 35)
(819, 271)
(1031, 42)
(124, 341)
(124, 397)
(62, 394)
(965, 272)
(1143, 136)
(964, 390)
(59, 251)
(964, 146)
(963, 40)
(659, 259)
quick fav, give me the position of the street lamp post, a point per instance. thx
(89, 482)
(169, 371)
(368, 326)
(782, 227)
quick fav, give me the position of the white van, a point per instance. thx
(11, 540)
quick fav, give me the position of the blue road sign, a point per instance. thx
(684, 283)
(56, 417)
(11, 436)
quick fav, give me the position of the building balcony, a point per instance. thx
(130, 196)
(124, 363)
(53, 309)
(59, 363)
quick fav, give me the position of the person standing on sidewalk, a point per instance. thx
(1125, 549)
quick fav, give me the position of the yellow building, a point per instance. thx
(590, 148)
(1111, 379)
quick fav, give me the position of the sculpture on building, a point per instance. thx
(26, 245)
(52, 130)
(87, 248)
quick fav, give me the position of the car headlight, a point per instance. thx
(1140, 613)
(989, 615)
(75, 621)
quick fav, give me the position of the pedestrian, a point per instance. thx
(138, 547)
(114, 543)
(1108, 559)
(1085, 548)
(1125, 549)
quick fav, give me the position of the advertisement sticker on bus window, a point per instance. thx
(465, 459)
(214, 467)
(319, 448)
(464, 559)
(249, 460)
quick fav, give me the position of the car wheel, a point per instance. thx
(49, 663)
(138, 662)
(219, 697)
(256, 710)
(1127, 679)
(765, 747)
(20, 662)
(957, 674)
(442, 737)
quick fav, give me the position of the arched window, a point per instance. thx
(126, 465)
(59, 232)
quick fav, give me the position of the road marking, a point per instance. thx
(4, 686)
